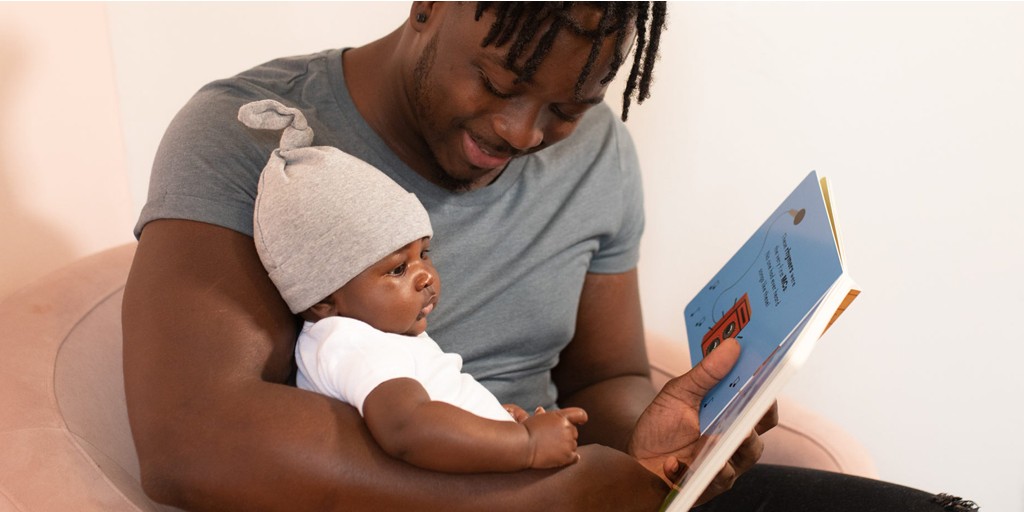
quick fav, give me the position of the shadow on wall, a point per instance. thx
(31, 245)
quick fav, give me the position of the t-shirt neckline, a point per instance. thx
(398, 170)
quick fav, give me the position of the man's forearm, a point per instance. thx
(604, 369)
(314, 455)
(613, 407)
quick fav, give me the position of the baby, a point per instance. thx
(348, 249)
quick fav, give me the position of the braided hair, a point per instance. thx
(518, 23)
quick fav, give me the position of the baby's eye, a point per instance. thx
(397, 271)
(425, 254)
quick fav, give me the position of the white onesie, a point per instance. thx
(347, 358)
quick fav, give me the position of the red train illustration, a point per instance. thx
(728, 326)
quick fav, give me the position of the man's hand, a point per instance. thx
(667, 435)
(553, 437)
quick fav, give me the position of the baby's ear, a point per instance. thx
(323, 309)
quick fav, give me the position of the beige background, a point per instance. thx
(913, 109)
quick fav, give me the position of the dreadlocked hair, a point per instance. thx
(517, 24)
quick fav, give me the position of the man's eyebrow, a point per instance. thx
(501, 62)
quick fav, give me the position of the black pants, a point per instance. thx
(768, 488)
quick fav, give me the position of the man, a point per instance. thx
(534, 193)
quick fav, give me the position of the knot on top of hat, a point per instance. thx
(272, 115)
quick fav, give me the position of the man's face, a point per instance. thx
(395, 294)
(473, 115)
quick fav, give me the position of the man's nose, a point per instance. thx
(520, 126)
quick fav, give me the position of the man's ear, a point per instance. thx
(419, 14)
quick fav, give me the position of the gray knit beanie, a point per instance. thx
(323, 216)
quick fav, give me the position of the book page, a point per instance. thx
(830, 208)
(765, 290)
(728, 430)
(776, 296)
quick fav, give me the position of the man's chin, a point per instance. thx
(455, 184)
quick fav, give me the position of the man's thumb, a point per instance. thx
(709, 371)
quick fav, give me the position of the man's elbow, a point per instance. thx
(163, 475)
(167, 472)
(160, 484)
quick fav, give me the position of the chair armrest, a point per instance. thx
(64, 434)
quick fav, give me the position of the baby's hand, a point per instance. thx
(553, 437)
(517, 412)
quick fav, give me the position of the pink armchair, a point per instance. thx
(64, 431)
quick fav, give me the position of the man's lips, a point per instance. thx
(480, 157)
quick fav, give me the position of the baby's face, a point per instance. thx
(395, 294)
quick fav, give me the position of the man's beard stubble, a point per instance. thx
(424, 108)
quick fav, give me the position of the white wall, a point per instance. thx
(165, 51)
(911, 108)
(62, 169)
(915, 110)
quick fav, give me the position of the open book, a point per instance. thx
(777, 295)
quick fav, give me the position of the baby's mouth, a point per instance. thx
(428, 307)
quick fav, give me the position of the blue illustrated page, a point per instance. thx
(765, 291)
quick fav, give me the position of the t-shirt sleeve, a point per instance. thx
(208, 164)
(349, 360)
(619, 251)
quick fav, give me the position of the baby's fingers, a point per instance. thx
(574, 415)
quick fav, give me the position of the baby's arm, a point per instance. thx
(436, 435)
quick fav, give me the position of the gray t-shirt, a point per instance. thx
(512, 256)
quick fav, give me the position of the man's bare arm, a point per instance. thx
(207, 345)
(605, 371)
